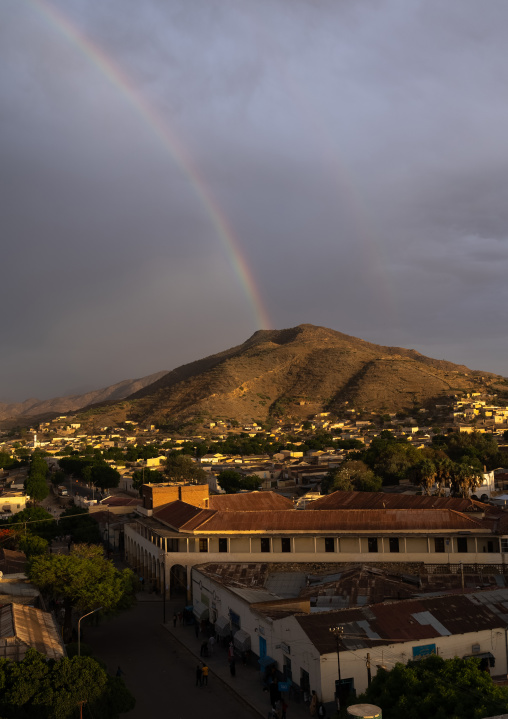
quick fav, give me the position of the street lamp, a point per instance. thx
(338, 632)
(79, 630)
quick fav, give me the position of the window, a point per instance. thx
(285, 544)
(461, 544)
(265, 544)
(223, 544)
(372, 544)
(329, 544)
(504, 545)
(394, 544)
(439, 545)
(203, 545)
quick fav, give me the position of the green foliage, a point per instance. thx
(180, 467)
(32, 545)
(36, 485)
(8, 462)
(140, 477)
(77, 522)
(38, 689)
(37, 521)
(91, 469)
(84, 578)
(232, 481)
(390, 458)
(438, 688)
(352, 475)
(482, 447)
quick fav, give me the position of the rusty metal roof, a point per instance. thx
(181, 516)
(249, 502)
(22, 627)
(380, 500)
(389, 520)
(407, 620)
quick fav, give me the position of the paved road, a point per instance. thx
(159, 671)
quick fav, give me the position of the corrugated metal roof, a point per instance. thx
(180, 515)
(403, 520)
(249, 502)
(380, 500)
(22, 627)
(407, 620)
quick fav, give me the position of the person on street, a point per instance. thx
(174, 620)
(199, 675)
(313, 707)
(204, 674)
(211, 642)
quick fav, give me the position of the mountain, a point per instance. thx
(293, 372)
(298, 372)
(62, 405)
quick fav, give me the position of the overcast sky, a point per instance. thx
(358, 151)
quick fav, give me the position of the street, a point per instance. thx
(158, 670)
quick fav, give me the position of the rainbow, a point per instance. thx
(171, 144)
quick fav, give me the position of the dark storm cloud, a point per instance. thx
(358, 151)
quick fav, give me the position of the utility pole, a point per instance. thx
(338, 633)
(369, 675)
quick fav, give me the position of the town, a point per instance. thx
(359, 541)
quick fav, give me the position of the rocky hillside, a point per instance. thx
(294, 372)
(297, 372)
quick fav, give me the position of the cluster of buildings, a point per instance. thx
(367, 579)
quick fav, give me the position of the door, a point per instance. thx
(262, 647)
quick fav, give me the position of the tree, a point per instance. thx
(352, 475)
(423, 474)
(180, 468)
(36, 485)
(81, 526)
(438, 688)
(36, 688)
(35, 520)
(464, 480)
(232, 481)
(146, 476)
(84, 580)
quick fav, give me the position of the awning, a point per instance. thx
(200, 611)
(265, 662)
(222, 627)
(241, 640)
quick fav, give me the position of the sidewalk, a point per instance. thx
(247, 683)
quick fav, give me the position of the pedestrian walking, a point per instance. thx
(313, 707)
(180, 618)
(322, 711)
(174, 620)
(204, 674)
(211, 642)
(203, 652)
(232, 667)
(199, 675)
(284, 708)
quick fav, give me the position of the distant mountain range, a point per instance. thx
(293, 372)
(61, 405)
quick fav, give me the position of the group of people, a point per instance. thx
(202, 675)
